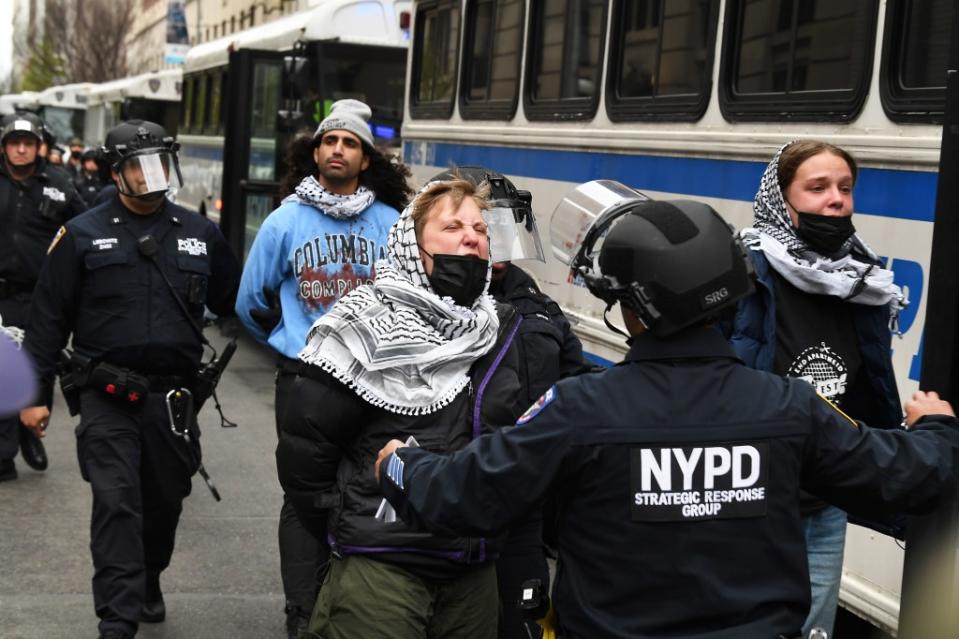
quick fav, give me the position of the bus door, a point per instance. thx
(253, 144)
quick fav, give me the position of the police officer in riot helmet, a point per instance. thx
(129, 281)
(679, 469)
(89, 180)
(35, 200)
(548, 350)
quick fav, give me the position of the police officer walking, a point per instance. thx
(35, 200)
(679, 469)
(89, 180)
(129, 280)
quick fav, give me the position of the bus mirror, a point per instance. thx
(296, 73)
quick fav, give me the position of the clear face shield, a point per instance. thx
(149, 173)
(583, 218)
(512, 232)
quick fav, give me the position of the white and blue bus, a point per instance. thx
(691, 98)
(63, 109)
(246, 94)
(153, 96)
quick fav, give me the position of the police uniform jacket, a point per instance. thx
(548, 348)
(89, 186)
(31, 211)
(679, 471)
(324, 459)
(97, 285)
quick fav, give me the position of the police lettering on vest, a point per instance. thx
(683, 483)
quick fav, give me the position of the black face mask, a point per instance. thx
(825, 234)
(462, 277)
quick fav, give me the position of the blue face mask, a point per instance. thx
(462, 277)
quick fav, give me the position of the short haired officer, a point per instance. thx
(678, 469)
(35, 200)
(129, 280)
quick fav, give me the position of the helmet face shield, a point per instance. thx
(148, 172)
(512, 232)
(584, 216)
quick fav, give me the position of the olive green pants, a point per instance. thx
(362, 597)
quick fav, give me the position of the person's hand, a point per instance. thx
(36, 419)
(923, 404)
(385, 452)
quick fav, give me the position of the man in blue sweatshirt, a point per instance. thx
(319, 244)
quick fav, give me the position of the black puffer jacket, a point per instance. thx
(548, 349)
(330, 439)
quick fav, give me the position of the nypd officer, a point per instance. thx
(129, 280)
(679, 469)
(35, 200)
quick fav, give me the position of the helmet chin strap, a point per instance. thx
(610, 325)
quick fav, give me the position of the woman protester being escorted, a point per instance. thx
(422, 352)
(823, 311)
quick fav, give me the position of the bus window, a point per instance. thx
(267, 78)
(915, 54)
(187, 104)
(213, 121)
(661, 59)
(374, 75)
(200, 101)
(222, 121)
(435, 53)
(797, 59)
(565, 59)
(491, 59)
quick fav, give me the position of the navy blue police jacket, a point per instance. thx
(31, 211)
(678, 472)
(96, 285)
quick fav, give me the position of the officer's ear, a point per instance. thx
(114, 176)
(631, 320)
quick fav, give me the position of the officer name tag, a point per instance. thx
(691, 483)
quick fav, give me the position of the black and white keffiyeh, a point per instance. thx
(395, 342)
(848, 277)
(341, 207)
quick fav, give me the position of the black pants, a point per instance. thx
(302, 555)
(523, 558)
(139, 473)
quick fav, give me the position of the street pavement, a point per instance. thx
(224, 580)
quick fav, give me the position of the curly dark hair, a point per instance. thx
(386, 175)
(299, 162)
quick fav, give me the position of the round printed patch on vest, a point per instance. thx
(822, 367)
(538, 406)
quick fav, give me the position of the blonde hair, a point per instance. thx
(458, 189)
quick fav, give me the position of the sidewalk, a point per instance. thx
(224, 580)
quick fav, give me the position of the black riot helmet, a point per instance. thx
(144, 158)
(24, 123)
(674, 263)
(513, 234)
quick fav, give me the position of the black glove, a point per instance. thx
(269, 317)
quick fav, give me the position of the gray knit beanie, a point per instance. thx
(348, 115)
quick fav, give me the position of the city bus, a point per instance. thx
(14, 102)
(691, 99)
(63, 109)
(246, 94)
(151, 96)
